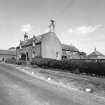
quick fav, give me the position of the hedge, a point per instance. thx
(51, 63)
(83, 66)
(21, 62)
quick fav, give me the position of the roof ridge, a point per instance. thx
(96, 53)
(69, 47)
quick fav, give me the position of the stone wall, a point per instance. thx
(51, 47)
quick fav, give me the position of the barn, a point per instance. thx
(70, 52)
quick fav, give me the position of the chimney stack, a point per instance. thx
(25, 36)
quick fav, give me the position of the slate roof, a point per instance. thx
(69, 47)
(96, 54)
(7, 52)
(12, 49)
(27, 42)
(38, 39)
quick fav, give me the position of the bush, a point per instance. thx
(21, 62)
(76, 71)
(11, 60)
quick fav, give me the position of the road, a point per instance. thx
(18, 88)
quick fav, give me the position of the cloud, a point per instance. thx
(84, 29)
(26, 28)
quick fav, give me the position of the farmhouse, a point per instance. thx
(46, 46)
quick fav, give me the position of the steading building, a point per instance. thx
(46, 45)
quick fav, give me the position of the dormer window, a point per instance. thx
(36, 41)
(33, 43)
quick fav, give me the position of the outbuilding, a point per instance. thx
(4, 54)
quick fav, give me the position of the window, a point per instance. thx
(33, 54)
(57, 55)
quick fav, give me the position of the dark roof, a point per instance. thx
(69, 47)
(39, 38)
(7, 52)
(26, 42)
(12, 48)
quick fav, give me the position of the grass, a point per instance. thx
(77, 81)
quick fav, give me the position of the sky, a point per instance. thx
(77, 22)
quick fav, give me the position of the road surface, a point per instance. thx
(18, 88)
